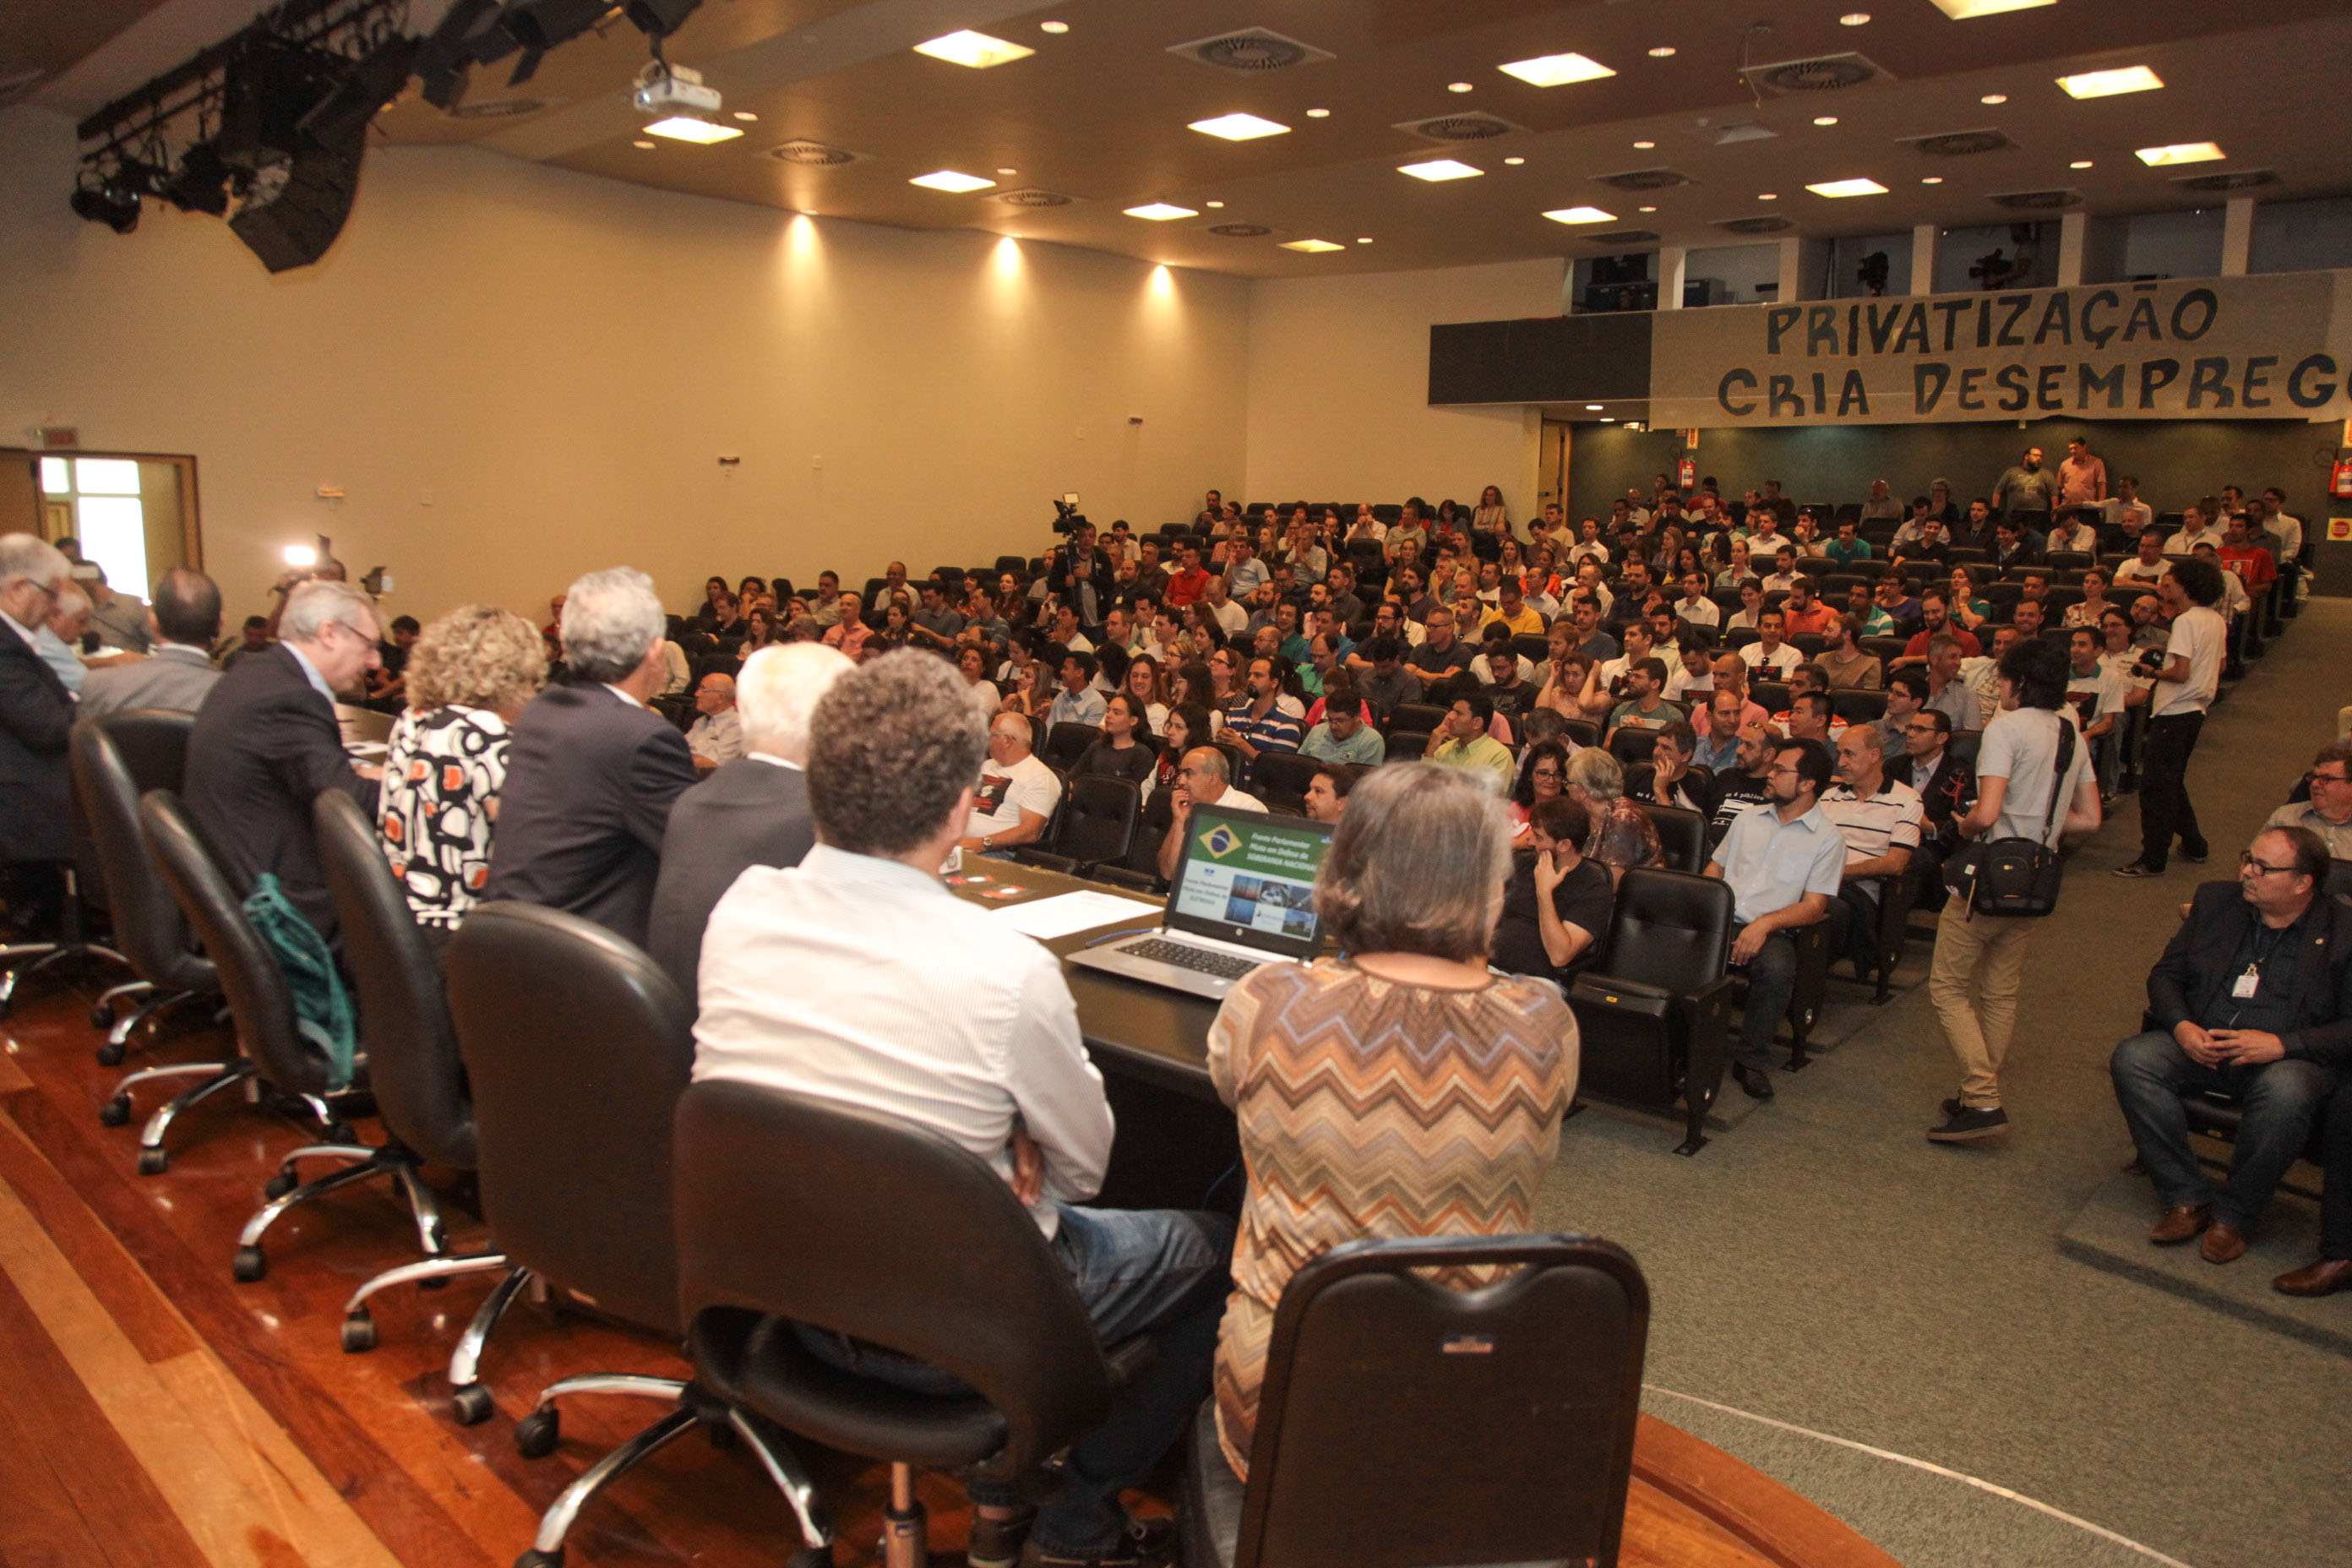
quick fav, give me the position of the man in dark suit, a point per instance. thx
(1946, 786)
(36, 714)
(592, 772)
(266, 744)
(2254, 998)
(1081, 576)
(753, 812)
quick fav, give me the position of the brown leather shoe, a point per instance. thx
(2181, 1224)
(2323, 1277)
(2221, 1244)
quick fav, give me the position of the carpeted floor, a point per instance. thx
(1823, 1265)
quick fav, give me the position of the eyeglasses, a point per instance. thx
(2317, 779)
(2246, 861)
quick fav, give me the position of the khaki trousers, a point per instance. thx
(1980, 960)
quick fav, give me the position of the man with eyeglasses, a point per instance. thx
(2252, 999)
(37, 712)
(1946, 788)
(2328, 812)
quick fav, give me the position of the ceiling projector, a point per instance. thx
(675, 89)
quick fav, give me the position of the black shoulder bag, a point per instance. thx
(2015, 876)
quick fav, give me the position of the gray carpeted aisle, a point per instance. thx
(1820, 1263)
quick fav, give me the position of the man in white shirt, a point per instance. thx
(2188, 676)
(2095, 691)
(1880, 818)
(1201, 779)
(2196, 528)
(1768, 656)
(1016, 793)
(1694, 606)
(1078, 702)
(1218, 601)
(717, 736)
(2147, 564)
(953, 1022)
(2133, 515)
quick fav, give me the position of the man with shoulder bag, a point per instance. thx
(2034, 786)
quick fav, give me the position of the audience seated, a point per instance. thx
(1121, 752)
(1881, 819)
(177, 673)
(1202, 778)
(1557, 902)
(37, 714)
(1328, 791)
(1785, 861)
(716, 738)
(1466, 741)
(1619, 834)
(2328, 813)
(1017, 794)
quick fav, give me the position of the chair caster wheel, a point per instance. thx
(115, 1112)
(153, 1162)
(471, 1404)
(250, 1265)
(358, 1334)
(538, 1559)
(278, 1185)
(102, 1018)
(537, 1433)
(111, 1055)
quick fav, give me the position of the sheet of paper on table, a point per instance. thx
(1065, 914)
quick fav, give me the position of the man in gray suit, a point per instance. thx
(752, 811)
(184, 621)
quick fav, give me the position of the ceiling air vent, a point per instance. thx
(498, 109)
(813, 154)
(1458, 128)
(1250, 49)
(2036, 201)
(1624, 236)
(1829, 73)
(1031, 196)
(1738, 130)
(1961, 143)
(1241, 230)
(1763, 224)
(1646, 179)
(2236, 180)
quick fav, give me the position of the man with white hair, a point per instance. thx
(753, 812)
(592, 772)
(36, 714)
(59, 643)
(716, 738)
(266, 745)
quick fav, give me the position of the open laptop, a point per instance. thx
(1244, 896)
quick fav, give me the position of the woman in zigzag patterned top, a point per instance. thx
(1403, 1089)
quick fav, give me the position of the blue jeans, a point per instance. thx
(2281, 1099)
(1163, 1272)
(1771, 981)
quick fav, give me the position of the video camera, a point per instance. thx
(1068, 518)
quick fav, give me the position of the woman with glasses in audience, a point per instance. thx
(1120, 754)
(1188, 682)
(1543, 775)
(468, 676)
(2092, 607)
(1150, 690)
(1189, 725)
(1623, 837)
(1224, 680)
(1447, 1081)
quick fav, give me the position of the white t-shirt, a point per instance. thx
(1782, 660)
(1004, 793)
(984, 698)
(2203, 637)
(1703, 613)
(2137, 571)
(2102, 687)
(2021, 744)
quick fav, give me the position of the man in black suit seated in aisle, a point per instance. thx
(592, 772)
(266, 745)
(753, 812)
(1946, 786)
(36, 714)
(2254, 998)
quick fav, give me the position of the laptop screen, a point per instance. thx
(1250, 878)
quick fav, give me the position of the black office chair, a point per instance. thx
(1065, 743)
(1772, 696)
(1962, 745)
(578, 1047)
(1653, 1019)
(1682, 835)
(1427, 716)
(2339, 876)
(1535, 1379)
(1095, 824)
(793, 1210)
(1404, 745)
(1630, 745)
(24, 959)
(413, 1069)
(1583, 731)
(1282, 778)
(117, 757)
(1532, 647)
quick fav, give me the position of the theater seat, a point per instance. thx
(1654, 1022)
(1093, 824)
(1682, 835)
(1282, 778)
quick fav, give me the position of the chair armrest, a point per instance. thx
(1044, 860)
(1602, 991)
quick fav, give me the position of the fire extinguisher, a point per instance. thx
(2340, 483)
(1686, 474)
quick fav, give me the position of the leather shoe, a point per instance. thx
(1756, 1084)
(2221, 1244)
(2181, 1224)
(2322, 1277)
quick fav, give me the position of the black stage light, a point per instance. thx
(264, 93)
(293, 213)
(660, 18)
(468, 36)
(541, 25)
(200, 184)
(108, 202)
(374, 79)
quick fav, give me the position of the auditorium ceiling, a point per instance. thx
(838, 113)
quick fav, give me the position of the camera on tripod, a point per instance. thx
(1068, 518)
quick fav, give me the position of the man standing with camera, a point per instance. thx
(2187, 674)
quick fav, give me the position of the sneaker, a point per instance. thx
(1147, 1543)
(2194, 856)
(997, 1543)
(1964, 1125)
(2139, 868)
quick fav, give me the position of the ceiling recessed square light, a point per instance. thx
(1644, 146)
(1440, 169)
(1854, 19)
(1213, 203)
(1994, 98)
(1825, 119)
(2180, 153)
(1460, 86)
(1515, 163)
(1967, 10)
(746, 116)
(1160, 212)
(2107, 84)
(1055, 27)
(1848, 188)
(1663, 52)
(1931, 179)
(949, 180)
(1581, 215)
(686, 128)
(2080, 164)
(1239, 127)
(1311, 245)
(1557, 70)
(1593, 407)
(1319, 114)
(978, 50)
(646, 146)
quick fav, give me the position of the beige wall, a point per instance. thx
(1339, 380)
(518, 374)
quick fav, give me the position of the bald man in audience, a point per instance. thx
(177, 672)
(715, 739)
(1201, 779)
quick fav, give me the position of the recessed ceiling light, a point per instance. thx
(1557, 70)
(949, 180)
(1363, 239)
(1644, 146)
(1459, 87)
(746, 116)
(2180, 153)
(1649, 209)
(648, 146)
(1312, 246)
(978, 50)
(1440, 169)
(1054, 28)
(1592, 408)
(686, 128)
(1965, 10)
(2080, 164)
(1160, 212)
(1931, 179)
(1515, 163)
(1319, 114)
(1607, 419)
(1239, 127)
(1994, 98)
(1008, 171)
(2107, 83)
(1848, 188)
(1767, 195)
(1854, 19)
(1663, 52)
(1581, 215)
(1213, 203)
(1825, 119)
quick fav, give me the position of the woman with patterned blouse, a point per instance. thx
(468, 676)
(1401, 1090)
